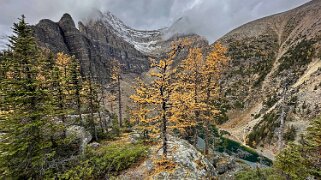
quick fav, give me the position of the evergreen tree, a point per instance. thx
(60, 84)
(300, 161)
(24, 119)
(67, 86)
(76, 86)
(90, 92)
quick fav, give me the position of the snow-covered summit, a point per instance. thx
(143, 41)
(146, 41)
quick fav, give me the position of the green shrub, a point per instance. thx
(102, 162)
(271, 101)
(258, 174)
(298, 56)
(238, 104)
(257, 116)
(290, 133)
(264, 130)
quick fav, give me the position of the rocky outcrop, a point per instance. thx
(50, 35)
(104, 37)
(189, 163)
(79, 46)
(79, 134)
(94, 44)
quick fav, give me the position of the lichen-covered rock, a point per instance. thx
(224, 163)
(79, 134)
(189, 163)
(94, 145)
(134, 137)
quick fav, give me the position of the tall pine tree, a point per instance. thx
(24, 119)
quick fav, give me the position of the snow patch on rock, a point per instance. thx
(143, 41)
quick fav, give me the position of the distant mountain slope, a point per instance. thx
(275, 67)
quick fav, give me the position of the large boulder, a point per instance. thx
(189, 163)
(224, 163)
(79, 133)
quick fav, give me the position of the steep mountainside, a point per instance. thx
(94, 44)
(103, 37)
(143, 41)
(274, 75)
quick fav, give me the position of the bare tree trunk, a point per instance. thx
(112, 106)
(206, 130)
(61, 104)
(119, 103)
(91, 107)
(207, 123)
(101, 123)
(282, 120)
(281, 129)
(195, 137)
(164, 124)
(78, 103)
(103, 94)
(196, 112)
(61, 108)
(91, 102)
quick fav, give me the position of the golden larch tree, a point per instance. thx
(116, 77)
(212, 70)
(189, 81)
(154, 99)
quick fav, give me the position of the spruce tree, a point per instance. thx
(76, 85)
(24, 120)
(90, 94)
(302, 161)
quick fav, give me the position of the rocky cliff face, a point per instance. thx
(274, 72)
(94, 44)
(103, 37)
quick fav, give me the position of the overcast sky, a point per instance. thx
(210, 18)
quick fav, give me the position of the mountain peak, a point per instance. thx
(67, 20)
(143, 41)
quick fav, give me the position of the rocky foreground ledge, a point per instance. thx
(189, 163)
